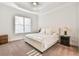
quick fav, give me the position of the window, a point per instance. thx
(22, 24)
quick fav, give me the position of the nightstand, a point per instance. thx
(3, 39)
(65, 40)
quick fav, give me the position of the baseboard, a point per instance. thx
(14, 40)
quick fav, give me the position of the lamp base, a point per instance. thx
(65, 32)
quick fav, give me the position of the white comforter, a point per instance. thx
(46, 40)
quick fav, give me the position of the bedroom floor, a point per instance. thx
(20, 48)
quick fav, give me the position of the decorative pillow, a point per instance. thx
(43, 31)
(49, 31)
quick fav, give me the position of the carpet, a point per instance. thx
(33, 53)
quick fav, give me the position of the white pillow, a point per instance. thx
(49, 31)
(43, 31)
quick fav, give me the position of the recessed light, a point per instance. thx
(35, 3)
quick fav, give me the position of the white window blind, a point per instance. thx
(22, 24)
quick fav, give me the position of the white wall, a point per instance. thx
(6, 21)
(78, 22)
(64, 16)
(60, 17)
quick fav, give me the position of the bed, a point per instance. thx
(42, 40)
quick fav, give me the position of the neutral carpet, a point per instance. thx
(34, 53)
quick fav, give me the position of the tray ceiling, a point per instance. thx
(42, 7)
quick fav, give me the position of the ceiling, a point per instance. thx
(43, 7)
(29, 6)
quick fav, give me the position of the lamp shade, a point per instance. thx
(64, 30)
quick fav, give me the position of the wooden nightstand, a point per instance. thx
(3, 39)
(65, 40)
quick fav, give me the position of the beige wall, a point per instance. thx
(6, 21)
(78, 21)
(64, 16)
